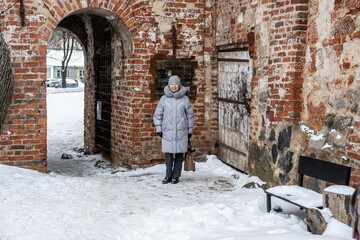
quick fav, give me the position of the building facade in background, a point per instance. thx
(75, 69)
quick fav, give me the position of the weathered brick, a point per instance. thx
(354, 156)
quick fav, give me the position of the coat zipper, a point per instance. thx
(176, 125)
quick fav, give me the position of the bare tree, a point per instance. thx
(68, 46)
(63, 40)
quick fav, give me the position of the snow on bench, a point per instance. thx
(303, 197)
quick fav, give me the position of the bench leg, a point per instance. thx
(268, 202)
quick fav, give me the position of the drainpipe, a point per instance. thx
(22, 13)
(173, 28)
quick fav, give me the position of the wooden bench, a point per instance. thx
(306, 198)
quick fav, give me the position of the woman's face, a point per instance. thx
(174, 87)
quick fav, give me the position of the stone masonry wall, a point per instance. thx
(332, 87)
(305, 93)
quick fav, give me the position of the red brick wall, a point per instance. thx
(137, 144)
(134, 142)
(23, 137)
(288, 25)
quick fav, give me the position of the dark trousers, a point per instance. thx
(175, 171)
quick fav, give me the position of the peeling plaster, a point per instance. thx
(196, 48)
(240, 18)
(249, 17)
(351, 53)
(158, 8)
(327, 63)
(315, 101)
(164, 25)
(357, 71)
(318, 93)
(323, 21)
(282, 92)
(259, 15)
(191, 6)
(357, 23)
(263, 29)
(152, 36)
(189, 31)
(263, 83)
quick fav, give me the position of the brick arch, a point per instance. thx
(84, 19)
(118, 25)
(61, 9)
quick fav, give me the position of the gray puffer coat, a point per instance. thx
(174, 117)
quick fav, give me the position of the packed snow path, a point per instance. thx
(83, 198)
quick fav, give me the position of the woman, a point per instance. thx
(174, 121)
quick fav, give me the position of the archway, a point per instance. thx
(106, 42)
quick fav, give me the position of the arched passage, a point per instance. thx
(106, 43)
(140, 34)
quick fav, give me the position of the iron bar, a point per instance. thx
(231, 148)
(232, 60)
(231, 101)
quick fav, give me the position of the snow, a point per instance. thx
(317, 137)
(305, 128)
(311, 133)
(326, 213)
(326, 145)
(302, 196)
(85, 198)
(340, 189)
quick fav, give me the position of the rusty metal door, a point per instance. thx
(234, 83)
(103, 103)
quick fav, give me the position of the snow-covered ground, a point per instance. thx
(83, 198)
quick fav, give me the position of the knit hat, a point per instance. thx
(174, 79)
(181, 92)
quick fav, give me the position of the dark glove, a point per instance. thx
(189, 135)
(159, 133)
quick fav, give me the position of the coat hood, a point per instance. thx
(178, 94)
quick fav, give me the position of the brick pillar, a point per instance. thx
(288, 28)
(89, 101)
(23, 135)
(210, 74)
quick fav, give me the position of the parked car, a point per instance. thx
(70, 83)
(51, 82)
